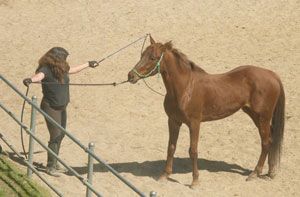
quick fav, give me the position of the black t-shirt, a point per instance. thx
(55, 93)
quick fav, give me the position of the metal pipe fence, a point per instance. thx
(90, 169)
(31, 140)
(49, 150)
(31, 166)
(89, 150)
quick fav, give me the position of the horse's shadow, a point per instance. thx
(151, 168)
(154, 168)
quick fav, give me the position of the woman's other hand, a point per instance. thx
(27, 81)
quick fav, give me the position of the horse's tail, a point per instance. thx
(277, 130)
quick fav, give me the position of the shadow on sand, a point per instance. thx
(13, 156)
(150, 168)
(154, 168)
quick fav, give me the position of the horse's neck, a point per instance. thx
(176, 77)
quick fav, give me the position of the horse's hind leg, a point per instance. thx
(264, 131)
(263, 125)
(252, 115)
(174, 127)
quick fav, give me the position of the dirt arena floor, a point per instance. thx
(127, 123)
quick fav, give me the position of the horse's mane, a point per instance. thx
(182, 58)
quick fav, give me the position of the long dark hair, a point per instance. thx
(55, 59)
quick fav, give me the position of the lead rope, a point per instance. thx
(22, 115)
(144, 43)
(152, 89)
(145, 37)
(85, 84)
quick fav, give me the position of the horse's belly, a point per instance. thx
(215, 112)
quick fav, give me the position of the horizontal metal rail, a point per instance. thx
(72, 138)
(31, 166)
(49, 150)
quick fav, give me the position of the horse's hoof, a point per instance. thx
(271, 175)
(194, 185)
(265, 177)
(252, 176)
(163, 178)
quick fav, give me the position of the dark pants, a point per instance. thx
(56, 135)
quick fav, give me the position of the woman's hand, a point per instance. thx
(27, 81)
(93, 64)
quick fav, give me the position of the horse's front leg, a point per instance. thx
(193, 151)
(174, 127)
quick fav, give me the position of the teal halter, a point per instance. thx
(157, 66)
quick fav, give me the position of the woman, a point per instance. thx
(53, 71)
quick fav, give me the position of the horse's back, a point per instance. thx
(256, 77)
(253, 72)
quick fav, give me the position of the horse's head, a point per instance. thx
(150, 62)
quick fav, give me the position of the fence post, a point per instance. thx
(90, 169)
(31, 140)
(153, 194)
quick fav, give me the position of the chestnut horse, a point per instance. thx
(194, 96)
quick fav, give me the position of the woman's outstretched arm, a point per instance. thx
(78, 68)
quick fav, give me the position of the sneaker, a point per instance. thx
(52, 172)
(60, 168)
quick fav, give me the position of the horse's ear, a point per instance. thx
(168, 45)
(152, 40)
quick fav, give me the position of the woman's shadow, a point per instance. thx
(154, 168)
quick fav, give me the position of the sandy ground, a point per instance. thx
(128, 123)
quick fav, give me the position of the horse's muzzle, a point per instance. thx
(132, 77)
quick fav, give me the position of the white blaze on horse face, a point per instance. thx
(141, 63)
(144, 67)
(134, 74)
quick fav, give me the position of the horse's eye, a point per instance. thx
(152, 58)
